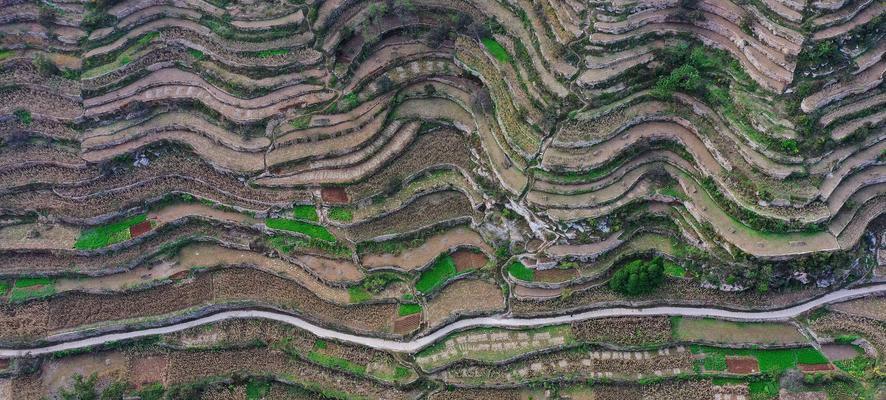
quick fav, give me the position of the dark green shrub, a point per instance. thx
(638, 277)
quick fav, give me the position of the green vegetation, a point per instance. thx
(4, 286)
(349, 101)
(437, 274)
(376, 282)
(337, 363)
(519, 271)
(106, 235)
(5, 53)
(638, 277)
(763, 389)
(846, 338)
(306, 212)
(300, 122)
(257, 389)
(673, 269)
(715, 362)
(373, 284)
(286, 244)
(496, 49)
(774, 361)
(31, 288)
(858, 367)
(408, 309)
(272, 53)
(197, 54)
(24, 116)
(358, 294)
(308, 229)
(341, 214)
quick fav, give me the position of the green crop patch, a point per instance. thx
(306, 212)
(31, 288)
(304, 228)
(106, 235)
(437, 274)
(496, 50)
(272, 53)
(674, 270)
(358, 294)
(521, 272)
(341, 214)
(337, 363)
(408, 309)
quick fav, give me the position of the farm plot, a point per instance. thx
(492, 345)
(464, 297)
(775, 361)
(579, 363)
(718, 331)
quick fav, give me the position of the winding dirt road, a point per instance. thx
(501, 321)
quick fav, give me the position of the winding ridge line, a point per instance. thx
(499, 321)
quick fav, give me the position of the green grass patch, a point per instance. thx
(271, 53)
(358, 294)
(408, 309)
(106, 235)
(519, 271)
(496, 49)
(401, 372)
(4, 54)
(305, 228)
(4, 286)
(256, 389)
(300, 122)
(337, 363)
(437, 274)
(306, 212)
(30, 288)
(674, 269)
(197, 54)
(24, 116)
(846, 338)
(341, 214)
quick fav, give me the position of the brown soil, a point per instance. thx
(334, 195)
(815, 367)
(420, 256)
(837, 352)
(147, 369)
(742, 365)
(140, 229)
(555, 275)
(466, 259)
(465, 296)
(58, 373)
(4, 363)
(407, 324)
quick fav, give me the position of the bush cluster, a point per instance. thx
(638, 277)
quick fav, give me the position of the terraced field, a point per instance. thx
(354, 199)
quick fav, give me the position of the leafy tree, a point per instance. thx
(638, 277)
